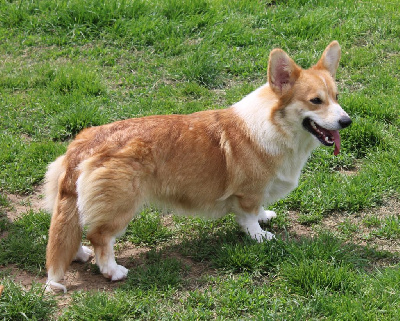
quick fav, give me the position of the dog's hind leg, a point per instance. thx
(108, 197)
(102, 234)
(103, 244)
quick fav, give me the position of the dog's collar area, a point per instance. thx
(324, 135)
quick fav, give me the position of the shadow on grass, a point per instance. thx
(325, 258)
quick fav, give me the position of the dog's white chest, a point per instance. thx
(286, 178)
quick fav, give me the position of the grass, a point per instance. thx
(18, 304)
(147, 229)
(28, 235)
(66, 65)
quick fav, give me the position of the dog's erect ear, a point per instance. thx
(330, 58)
(282, 71)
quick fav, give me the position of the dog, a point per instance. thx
(207, 163)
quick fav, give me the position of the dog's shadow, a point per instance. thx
(197, 255)
(222, 248)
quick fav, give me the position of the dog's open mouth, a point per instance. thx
(325, 136)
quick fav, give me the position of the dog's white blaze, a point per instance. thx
(330, 119)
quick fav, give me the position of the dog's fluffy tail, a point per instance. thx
(54, 171)
(65, 230)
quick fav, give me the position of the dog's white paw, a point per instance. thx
(120, 273)
(52, 285)
(269, 236)
(83, 254)
(265, 216)
(262, 236)
(115, 272)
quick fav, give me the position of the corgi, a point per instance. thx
(210, 163)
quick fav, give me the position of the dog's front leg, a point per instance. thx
(265, 216)
(248, 217)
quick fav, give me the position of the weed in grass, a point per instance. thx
(322, 160)
(322, 193)
(361, 105)
(203, 67)
(348, 228)
(71, 79)
(249, 256)
(70, 122)
(25, 244)
(3, 201)
(371, 221)
(364, 137)
(375, 298)
(160, 273)
(311, 276)
(22, 165)
(147, 228)
(121, 305)
(201, 239)
(3, 216)
(17, 303)
(326, 248)
(194, 90)
(232, 298)
(389, 228)
(4, 224)
(175, 9)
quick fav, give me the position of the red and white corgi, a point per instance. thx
(208, 163)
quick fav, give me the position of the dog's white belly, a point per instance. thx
(210, 209)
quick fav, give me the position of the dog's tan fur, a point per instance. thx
(208, 163)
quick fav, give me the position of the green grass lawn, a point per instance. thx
(66, 65)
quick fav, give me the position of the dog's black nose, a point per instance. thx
(345, 121)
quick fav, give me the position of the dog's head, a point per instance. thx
(309, 98)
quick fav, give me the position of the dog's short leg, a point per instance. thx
(248, 214)
(249, 224)
(108, 197)
(104, 251)
(265, 216)
(102, 237)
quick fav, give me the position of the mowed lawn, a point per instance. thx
(66, 65)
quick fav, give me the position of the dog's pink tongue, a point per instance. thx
(336, 139)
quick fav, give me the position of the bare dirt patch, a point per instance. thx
(359, 234)
(21, 204)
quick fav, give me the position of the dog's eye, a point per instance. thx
(316, 101)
